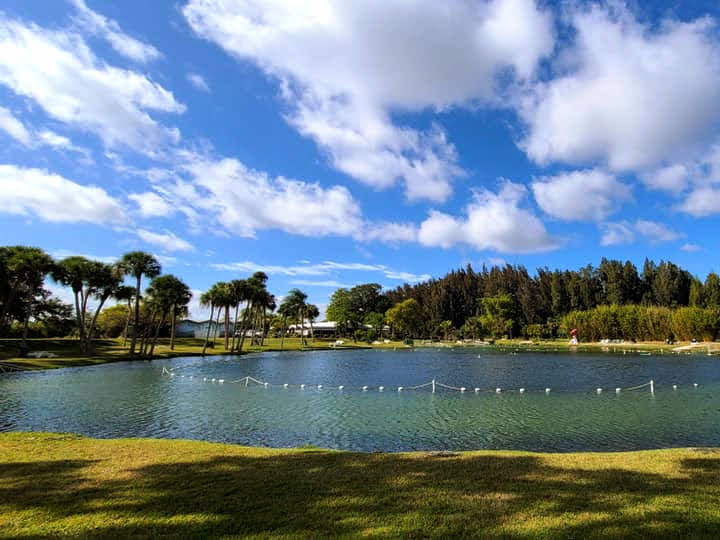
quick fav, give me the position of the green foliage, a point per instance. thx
(405, 318)
(111, 321)
(497, 314)
(644, 323)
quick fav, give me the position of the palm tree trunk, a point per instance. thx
(282, 335)
(133, 340)
(172, 328)
(207, 336)
(243, 330)
(217, 325)
(93, 322)
(264, 323)
(303, 342)
(127, 322)
(227, 326)
(235, 328)
(157, 333)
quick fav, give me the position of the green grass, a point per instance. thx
(65, 485)
(112, 350)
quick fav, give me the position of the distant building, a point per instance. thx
(199, 329)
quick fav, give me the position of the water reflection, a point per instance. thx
(137, 400)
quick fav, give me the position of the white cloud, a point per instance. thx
(617, 233)
(91, 21)
(326, 283)
(64, 253)
(346, 67)
(242, 200)
(673, 178)
(388, 233)
(319, 269)
(54, 198)
(590, 195)
(82, 91)
(656, 232)
(198, 81)
(151, 204)
(629, 95)
(14, 127)
(691, 248)
(491, 221)
(167, 240)
(702, 201)
(624, 232)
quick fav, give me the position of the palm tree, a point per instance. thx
(137, 264)
(207, 299)
(256, 287)
(87, 279)
(237, 289)
(295, 303)
(312, 312)
(168, 293)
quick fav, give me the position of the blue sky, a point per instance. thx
(335, 143)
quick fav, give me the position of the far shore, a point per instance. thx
(64, 352)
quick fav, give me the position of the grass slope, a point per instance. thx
(53, 484)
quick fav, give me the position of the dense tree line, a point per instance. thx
(509, 301)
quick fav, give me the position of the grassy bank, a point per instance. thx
(112, 350)
(54, 484)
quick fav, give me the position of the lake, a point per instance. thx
(141, 399)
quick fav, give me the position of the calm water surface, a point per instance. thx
(135, 399)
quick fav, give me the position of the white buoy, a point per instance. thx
(285, 385)
(381, 388)
(599, 390)
(674, 386)
(302, 386)
(547, 390)
(695, 385)
(172, 374)
(340, 387)
(522, 390)
(221, 381)
(497, 390)
(477, 390)
(204, 378)
(319, 386)
(400, 388)
(364, 388)
(617, 390)
(652, 386)
(213, 380)
(266, 385)
(462, 389)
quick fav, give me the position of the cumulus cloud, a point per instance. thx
(691, 248)
(624, 232)
(93, 22)
(166, 240)
(241, 200)
(14, 127)
(629, 95)
(150, 204)
(81, 90)
(346, 67)
(702, 201)
(54, 198)
(491, 221)
(590, 195)
(389, 233)
(198, 81)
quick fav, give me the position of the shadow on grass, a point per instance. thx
(323, 494)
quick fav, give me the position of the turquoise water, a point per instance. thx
(138, 399)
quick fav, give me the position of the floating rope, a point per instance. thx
(247, 380)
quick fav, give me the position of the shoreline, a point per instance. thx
(54, 484)
(113, 352)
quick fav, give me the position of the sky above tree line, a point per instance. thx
(330, 143)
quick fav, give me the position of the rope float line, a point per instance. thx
(433, 384)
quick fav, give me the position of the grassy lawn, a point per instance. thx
(53, 484)
(112, 350)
